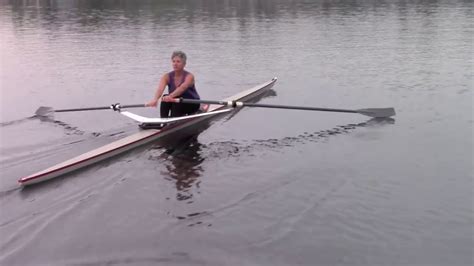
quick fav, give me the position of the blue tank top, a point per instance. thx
(189, 93)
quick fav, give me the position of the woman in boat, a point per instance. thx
(180, 84)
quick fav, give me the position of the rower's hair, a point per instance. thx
(179, 54)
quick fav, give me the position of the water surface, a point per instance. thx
(263, 187)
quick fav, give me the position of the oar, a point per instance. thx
(372, 112)
(46, 111)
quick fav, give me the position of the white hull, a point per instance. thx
(181, 129)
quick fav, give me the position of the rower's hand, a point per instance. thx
(167, 98)
(153, 103)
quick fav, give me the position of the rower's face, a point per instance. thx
(178, 63)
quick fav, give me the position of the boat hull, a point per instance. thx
(167, 137)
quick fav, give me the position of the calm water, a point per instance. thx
(266, 187)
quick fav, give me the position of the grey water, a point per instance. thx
(261, 187)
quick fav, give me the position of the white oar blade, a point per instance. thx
(44, 111)
(377, 112)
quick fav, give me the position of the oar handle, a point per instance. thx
(183, 100)
(133, 106)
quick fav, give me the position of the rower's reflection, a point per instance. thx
(183, 166)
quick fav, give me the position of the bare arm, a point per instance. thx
(159, 91)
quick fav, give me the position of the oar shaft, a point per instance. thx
(82, 109)
(98, 108)
(238, 104)
(47, 111)
(306, 108)
(372, 112)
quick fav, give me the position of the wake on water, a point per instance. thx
(191, 152)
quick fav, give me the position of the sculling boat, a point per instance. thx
(175, 131)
